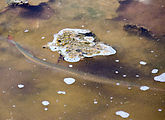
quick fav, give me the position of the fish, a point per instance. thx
(76, 73)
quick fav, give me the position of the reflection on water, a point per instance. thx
(83, 99)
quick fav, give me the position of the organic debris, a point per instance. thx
(31, 2)
(23, 9)
(148, 14)
(138, 30)
(16, 2)
(75, 44)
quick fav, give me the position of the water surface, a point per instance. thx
(83, 99)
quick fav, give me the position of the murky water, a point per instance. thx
(84, 100)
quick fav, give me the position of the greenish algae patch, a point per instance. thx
(98, 9)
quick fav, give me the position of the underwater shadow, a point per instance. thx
(27, 11)
(139, 16)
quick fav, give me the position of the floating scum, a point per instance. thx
(76, 44)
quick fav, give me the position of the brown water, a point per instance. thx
(78, 103)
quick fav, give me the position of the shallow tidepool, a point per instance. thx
(82, 99)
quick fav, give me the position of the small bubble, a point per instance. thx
(44, 59)
(122, 114)
(159, 110)
(26, 30)
(111, 98)
(45, 102)
(84, 84)
(124, 75)
(116, 72)
(154, 71)
(65, 105)
(13, 106)
(69, 81)
(137, 76)
(117, 83)
(129, 88)
(143, 62)
(116, 60)
(70, 65)
(61, 92)
(95, 101)
(144, 88)
(20, 86)
(42, 37)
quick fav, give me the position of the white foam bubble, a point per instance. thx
(116, 72)
(45, 102)
(137, 76)
(154, 71)
(69, 81)
(117, 60)
(144, 88)
(46, 109)
(43, 37)
(124, 75)
(20, 86)
(117, 83)
(26, 30)
(122, 114)
(129, 88)
(160, 78)
(61, 92)
(95, 101)
(68, 59)
(159, 110)
(13, 106)
(143, 62)
(44, 59)
(70, 65)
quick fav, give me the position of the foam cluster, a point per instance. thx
(76, 44)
